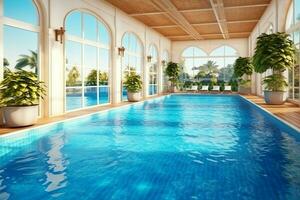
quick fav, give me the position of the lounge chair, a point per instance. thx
(204, 88)
(194, 88)
(227, 88)
(216, 88)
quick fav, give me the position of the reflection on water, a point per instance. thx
(178, 147)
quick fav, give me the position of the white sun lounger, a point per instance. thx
(216, 88)
(204, 88)
(227, 88)
(194, 88)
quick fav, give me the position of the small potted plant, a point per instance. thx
(276, 52)
(243, 70)
(19, 97)
(133, 84)
(173, 72)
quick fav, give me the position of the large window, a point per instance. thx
(152, 90)
(87, 61)
(193, 58)
(218, 65)
(224, 58)
(293, 28)
(165, 60)
(132, 60)
(20, 36)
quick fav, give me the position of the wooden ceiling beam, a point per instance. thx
(209, 34)
(248, 6)
(208, 23)
(218, 8)
(145, 14)
(200, 9)
(170, 8)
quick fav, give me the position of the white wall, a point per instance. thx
(275, 14)
(118, 22)
(241, 45)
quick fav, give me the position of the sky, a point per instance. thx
(18, 41)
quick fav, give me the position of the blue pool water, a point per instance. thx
(176, 147)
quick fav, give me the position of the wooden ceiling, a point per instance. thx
(181, 20)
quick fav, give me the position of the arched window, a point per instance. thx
(153, 75)
(132, 60)
(292, 27)
(165, 60)
(21, 29)
(193, 58)
(87, 49)
(223, 59)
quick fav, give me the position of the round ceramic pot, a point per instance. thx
(134, 96)
(18, 116)
(275, 98)
(173, 89)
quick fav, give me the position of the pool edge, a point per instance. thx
(81, 116)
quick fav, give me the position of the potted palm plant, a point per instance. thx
(133, 84)
(276, 52)
(19, 97)
(243, 70)
(173, 72)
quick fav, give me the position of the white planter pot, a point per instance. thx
(244, 90)
(134, 96)
(173, 89)
(276, 98)
(17, 116)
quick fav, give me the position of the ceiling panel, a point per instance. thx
(134, 6)
(236, 14)
(206, 29)
(191, 4)
(229, 3)
(200, 16)
(171, 31)
(213, 37)
(241, 27)
(182, 20)
(155, 20)
(239, 35)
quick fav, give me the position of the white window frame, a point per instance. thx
(98, 45)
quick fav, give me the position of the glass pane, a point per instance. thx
(104, 94)
(297, 10)
(90, 96)
(132, 43)
(90, 65)
(188, 66)
(291, 90)
(73, 64)
(226, 73)
(103, 34)
(189, 52)
(165, 56)
(198, 52)
(74, 97)
(218, 62)
(229, 61)
(104, 66)
(124, 94)
(139, 65)
(74, 24)
(125, 41)
(218, 52)
(20, 49)
(230, 51)
(296, 81)
(22, 10)
(90, 27)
